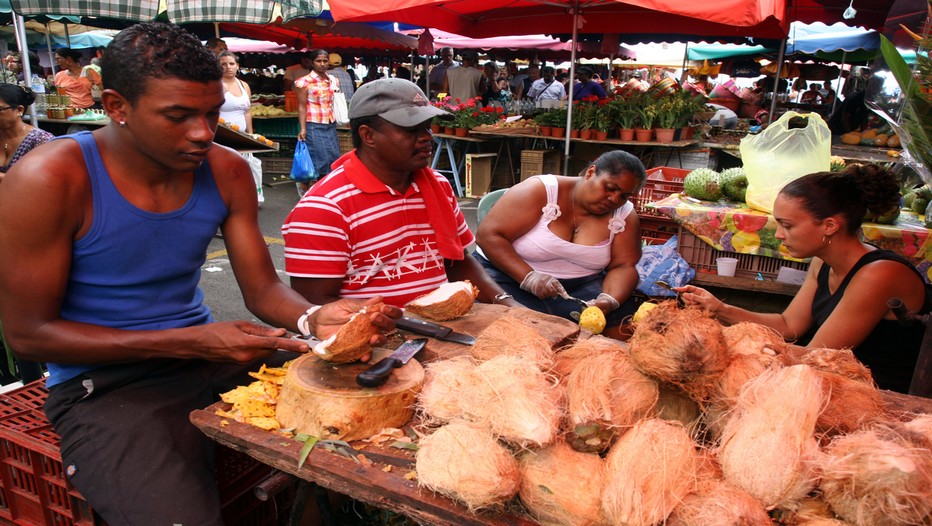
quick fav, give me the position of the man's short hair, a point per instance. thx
(155, 50)
(546, 69)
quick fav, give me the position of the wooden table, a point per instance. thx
(372, 483)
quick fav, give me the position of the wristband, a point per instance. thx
(303, 325)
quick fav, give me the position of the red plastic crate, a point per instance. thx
(661, 182)
(657, 230)
(35, 492)
(701, 256)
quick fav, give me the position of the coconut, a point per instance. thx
(507, 394)
(465, 462)
(741, 369)
(922, 427)
(684, 347)
(878, 478)
(567, 358)
(353, 339)
(518, 402)
(649, 471)
(807, 510)
(674, 405)
(753, 338)
(838, 361)
(447, 302)
(445, 381)
(605, 390)
(767, 444)
(510, 336)
(848, 404)
(560, 486)
(717, 503)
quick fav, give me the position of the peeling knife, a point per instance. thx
(378, 374)
(434, 330)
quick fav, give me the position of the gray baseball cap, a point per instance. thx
(398, 101)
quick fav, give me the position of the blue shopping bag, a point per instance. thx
(302, 168)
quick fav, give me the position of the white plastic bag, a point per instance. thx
(340, 109)
(255, 165)
(780, 154)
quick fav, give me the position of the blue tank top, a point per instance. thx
(134, 269)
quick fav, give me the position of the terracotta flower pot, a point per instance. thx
(461, 132)
(449, 130)
(665, 135)
(546, 131)
(574, 134)
(435, 128)
(626, 134)
(601, 135)
(585, 134)
(643, 135)
(558, 132)
(686, 133)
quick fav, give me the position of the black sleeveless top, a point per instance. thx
(891, 350)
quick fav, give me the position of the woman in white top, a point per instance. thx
(236, 94)
(551, 237)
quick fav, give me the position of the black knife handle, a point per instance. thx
(378, 374)
(426, 328)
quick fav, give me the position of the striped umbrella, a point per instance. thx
(176, 11)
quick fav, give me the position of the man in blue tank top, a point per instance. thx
(102, 237)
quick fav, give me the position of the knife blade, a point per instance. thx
(378, 374)
(434, 330)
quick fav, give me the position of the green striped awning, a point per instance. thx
(177, 11)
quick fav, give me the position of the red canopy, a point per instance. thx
(487, 18)
(341, 36)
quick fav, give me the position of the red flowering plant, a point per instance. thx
(448, 104)
(466, 114)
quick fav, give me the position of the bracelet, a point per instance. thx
(500, 297)
(303, 325)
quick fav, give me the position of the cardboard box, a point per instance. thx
(536, 162)
(478, 173)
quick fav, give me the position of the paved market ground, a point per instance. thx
(217, 280)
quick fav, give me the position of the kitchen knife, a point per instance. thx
(434, 330)
(378, 374)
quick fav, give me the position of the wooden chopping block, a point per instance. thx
(322, 398)
(558, 331)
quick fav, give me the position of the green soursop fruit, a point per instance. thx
(919, 204)
(734, 184)
(908, 198)
(886, 218)
(703, 183)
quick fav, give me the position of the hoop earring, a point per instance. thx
(824, 242)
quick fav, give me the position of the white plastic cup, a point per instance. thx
(726, 266)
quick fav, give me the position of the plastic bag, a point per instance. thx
(340, 109)
(663, 263)
(255, 166)
(302, 168)
(782, 153)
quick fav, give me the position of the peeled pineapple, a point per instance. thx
(593, 320)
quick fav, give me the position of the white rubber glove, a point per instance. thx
(542, 285)
(605, 302)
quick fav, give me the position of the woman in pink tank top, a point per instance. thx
(550, 237)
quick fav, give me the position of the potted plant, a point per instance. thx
(546, 120)
(603, 119)
(666, 112)
(626, 117)
(647, 114)
(558, 116)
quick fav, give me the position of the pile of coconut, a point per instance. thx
(690, 423)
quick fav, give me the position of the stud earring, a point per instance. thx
(122, 124)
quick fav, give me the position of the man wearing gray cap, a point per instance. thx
(382, 222)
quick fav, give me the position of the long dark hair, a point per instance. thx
(850, 193)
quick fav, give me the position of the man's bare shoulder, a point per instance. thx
(56, 161)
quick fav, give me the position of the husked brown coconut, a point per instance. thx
(561, 487)
(753, 338)
(921, 426)
(463, 461)
(848, 404)
(649, 471)
(673, 404)
(516, 400)
(606, 391)
(510, 336)
(441, 398)
(874, 477)
(767, 445)
(838, 361)
(717, 503)
(684, 347)
(741, 369)
(507, 394)
(447, 302)
(566, 358)
(807, 510)
(351, 342)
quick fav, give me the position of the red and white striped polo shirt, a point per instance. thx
(350, 225)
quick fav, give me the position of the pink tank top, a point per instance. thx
(546, 252)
